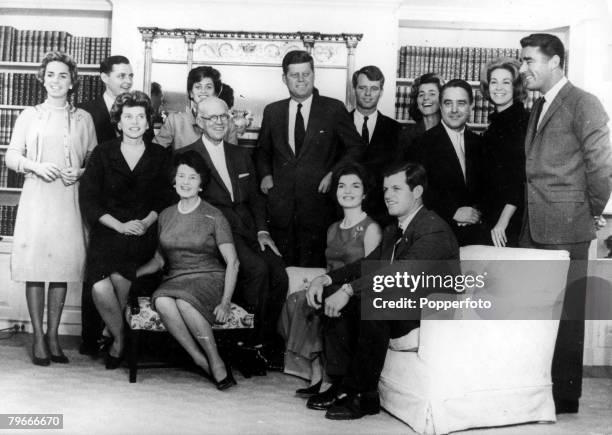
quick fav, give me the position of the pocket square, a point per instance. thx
(322, 132)
(246, 174)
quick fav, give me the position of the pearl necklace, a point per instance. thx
(192, 208)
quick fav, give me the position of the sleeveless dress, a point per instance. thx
(49, 239)
(299, 324)
(189, 244)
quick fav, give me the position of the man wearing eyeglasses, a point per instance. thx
(233, 189)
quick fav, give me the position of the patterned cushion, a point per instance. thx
(148, 319)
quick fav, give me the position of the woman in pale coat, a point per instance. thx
(50, 144)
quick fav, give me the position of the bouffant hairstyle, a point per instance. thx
(513, 66)
(199, 73)
(58, 56)
(196, 162)
(130, 99)
(430, 77)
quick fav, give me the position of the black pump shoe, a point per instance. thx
(226, 382)
(39, 361)
(308, 392)
(60, 359)
(112, 362)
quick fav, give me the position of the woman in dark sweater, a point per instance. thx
(504, 151)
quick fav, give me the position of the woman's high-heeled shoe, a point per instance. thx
(226, 382)
(308, 392)
(39, 361)
(112, 362)
(61, 358)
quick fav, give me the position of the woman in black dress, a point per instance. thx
(125, 186)
(504, 151)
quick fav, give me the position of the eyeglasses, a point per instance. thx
(214, 118)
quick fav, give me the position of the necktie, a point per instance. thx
(398, 236)
(299, 131)
(365, 134)
(537, 111)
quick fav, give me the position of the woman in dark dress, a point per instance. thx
(504, 151)
(125, 186)
(198, 286)
(424, 109)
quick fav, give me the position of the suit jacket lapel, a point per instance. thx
(554, 106)
(231, 170)
(450, 148)
(406, 240)
(213, 169)
(283, 119)
(315, 119)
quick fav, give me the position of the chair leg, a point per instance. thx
(133, 355)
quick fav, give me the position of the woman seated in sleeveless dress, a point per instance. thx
(348, 240)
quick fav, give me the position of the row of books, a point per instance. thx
(480, 114)
(9, 178)
(7, 121)
(451, 62)
(24, 89)
(31, 45)
(8, 214)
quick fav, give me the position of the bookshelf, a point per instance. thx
(20, 54)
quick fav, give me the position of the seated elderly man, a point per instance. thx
(233, 189)
(355, 349)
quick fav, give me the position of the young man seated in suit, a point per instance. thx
(116, 73)
(452, 157)
(233, 189)
(302, 139)
(355, 349)
(379, 133)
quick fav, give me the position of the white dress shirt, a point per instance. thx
(109, 100)
(306, 105)
(358, 120)
(217, 155)
(458, 142)
(550, 96)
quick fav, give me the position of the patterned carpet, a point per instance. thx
(174, 401)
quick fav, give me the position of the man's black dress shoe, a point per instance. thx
(90, 349)
(324, 400)
(353, 406)
(566, 406)
(308, 392)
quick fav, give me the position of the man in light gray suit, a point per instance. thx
(569, 172)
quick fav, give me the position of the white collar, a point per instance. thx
(552, 92)
(451, 132)
(209, 144)
(404, 224)
(371, 117)
(109, 100)
(305, 104)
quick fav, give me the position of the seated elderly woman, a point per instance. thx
(197, 289)
(125, 185)
(181, 129)
(348, 240)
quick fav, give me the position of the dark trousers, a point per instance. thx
(262, 287)
(355, 350)
(91, 322)
(567, 358)
(302, 245)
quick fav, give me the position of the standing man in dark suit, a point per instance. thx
(233, 189)
(379, 132)
(355, 349)
(452, 157)
(300, 142)
(568, 170)
(116, 73)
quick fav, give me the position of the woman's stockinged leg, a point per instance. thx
(202, 331)
(122, 291)
(55, 306)
(174, 323)
(108, 306)
(35, 297)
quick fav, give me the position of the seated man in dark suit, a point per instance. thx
(233, 189)
(452, 157)
(379, 132)
(116, 73)
(355, 350)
